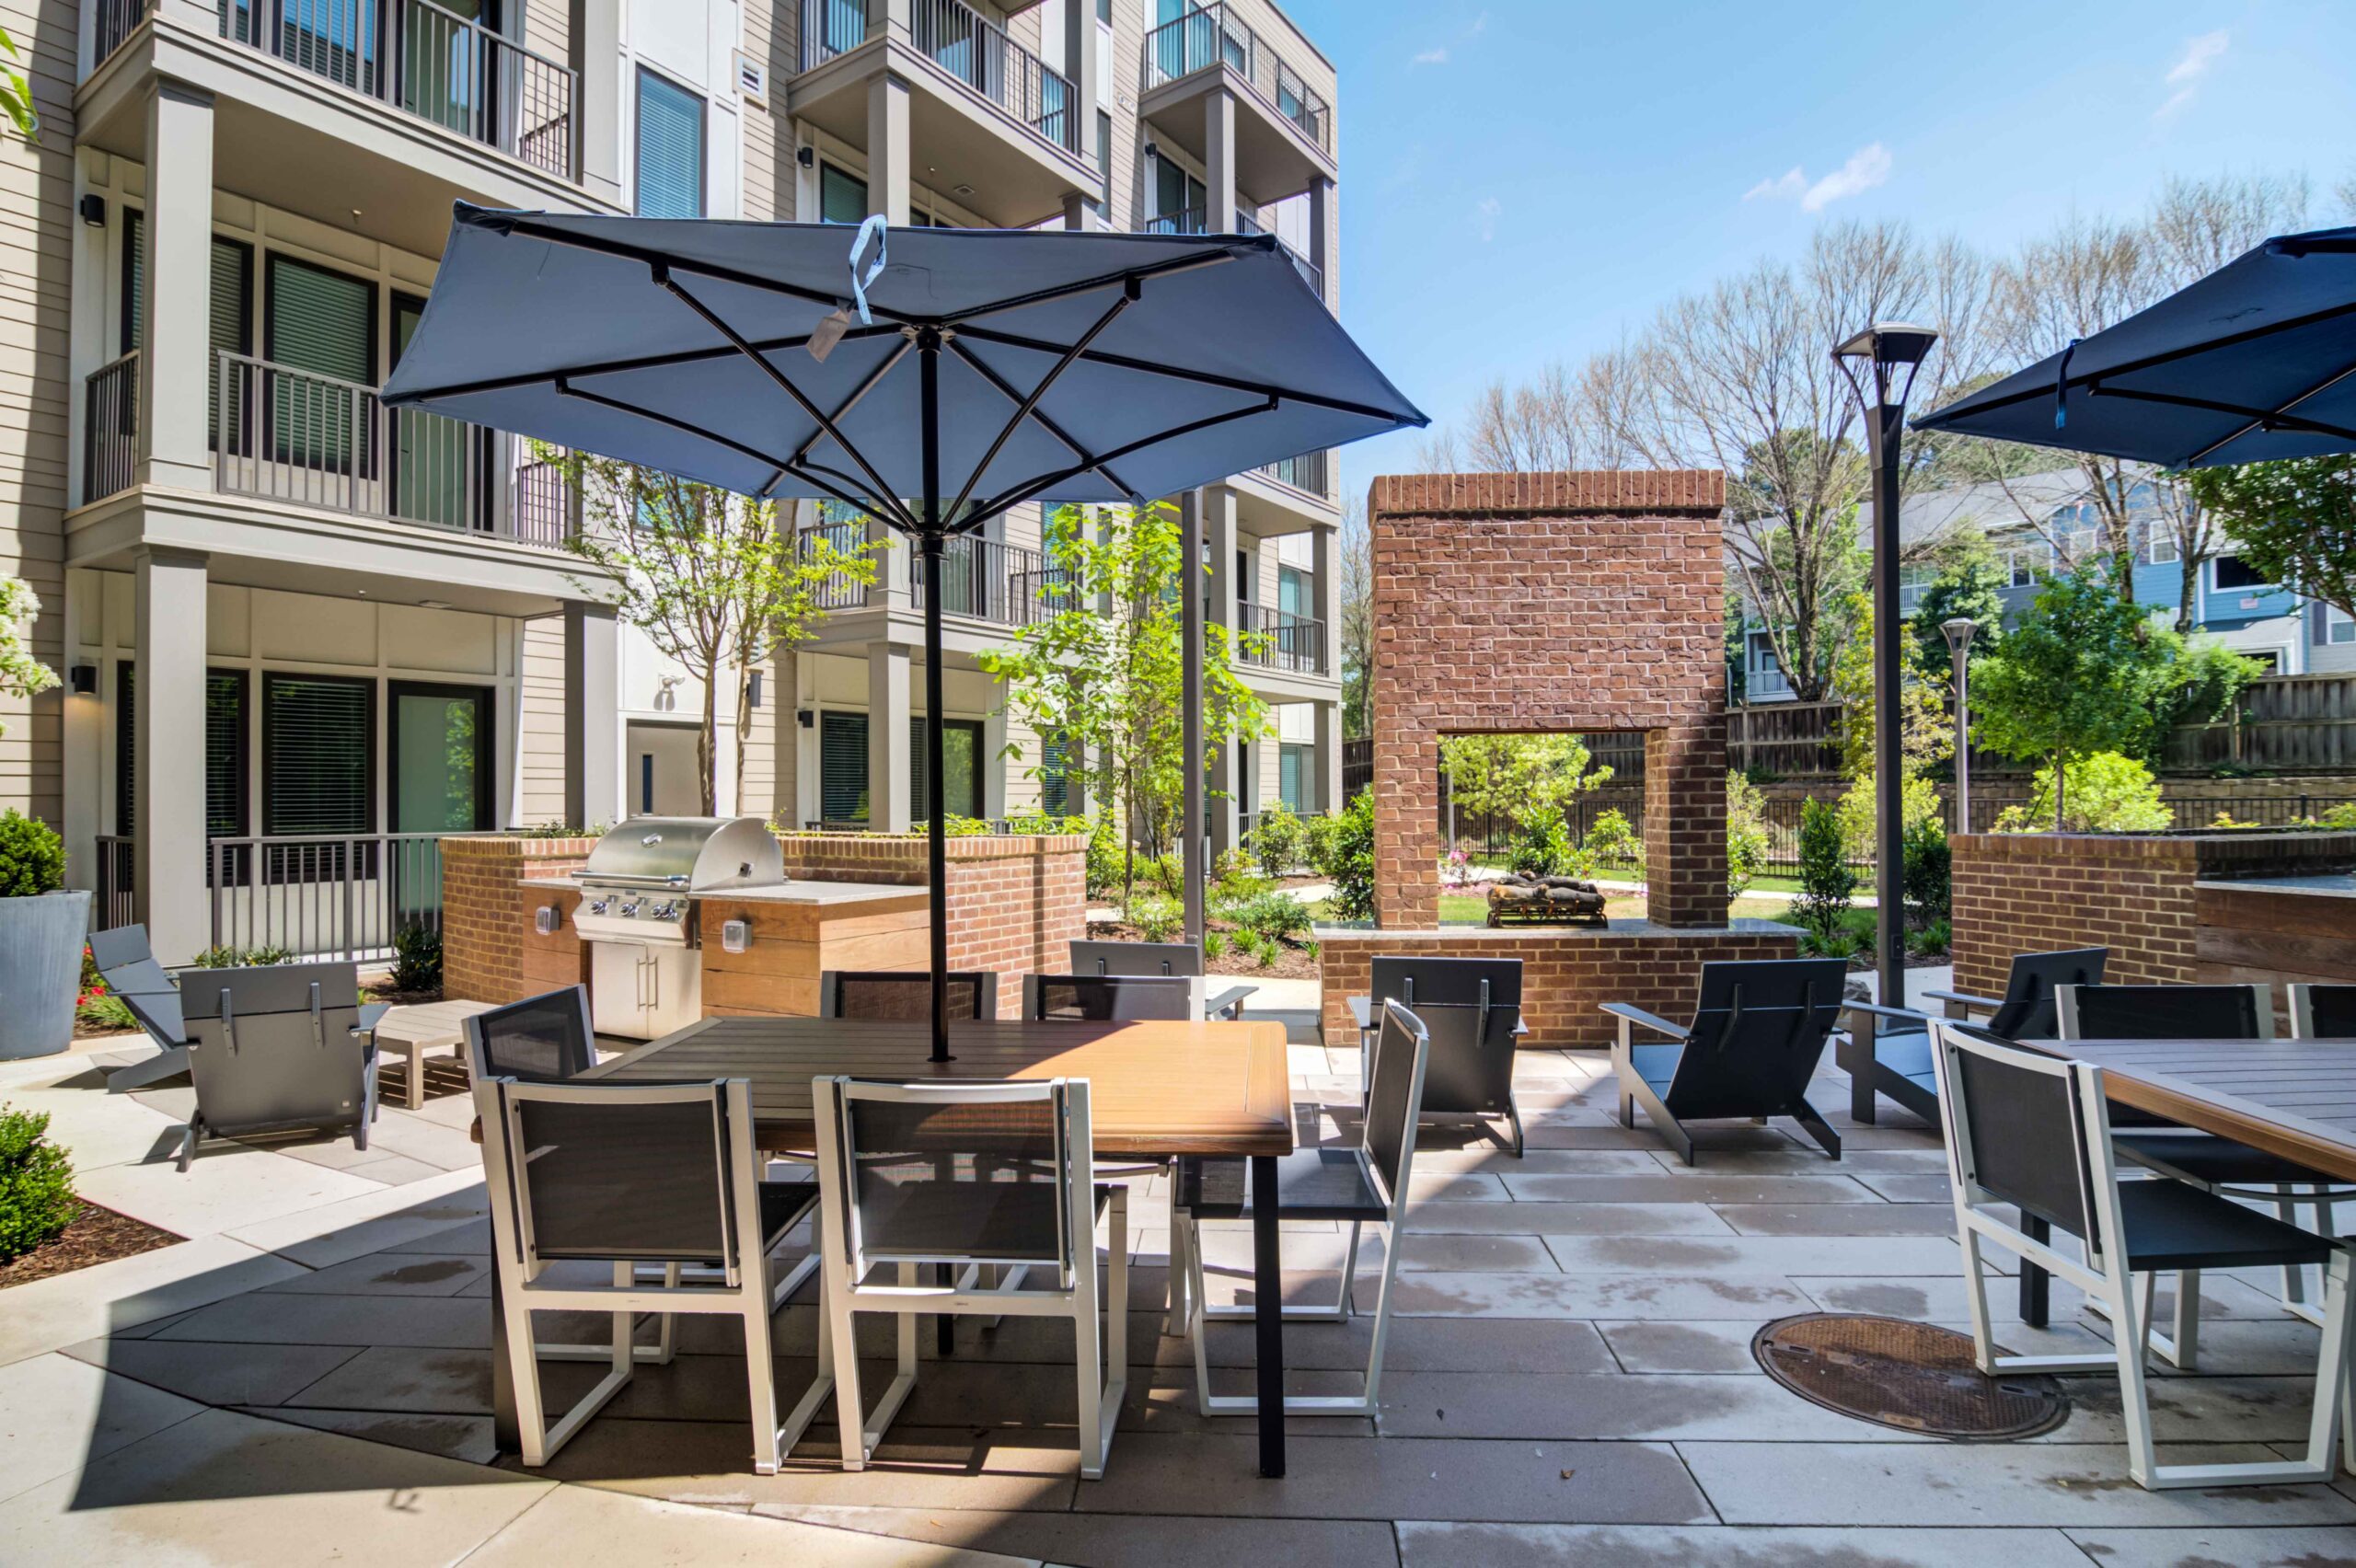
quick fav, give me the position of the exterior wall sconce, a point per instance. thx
(93, 208)
(83, 679)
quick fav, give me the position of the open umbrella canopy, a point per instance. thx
(1070, 366)
(2257, 361)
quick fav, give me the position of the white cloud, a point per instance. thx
(1867, 167)
(1479, 24)
(1430, 57)
(1489, 209)
(2185, 75)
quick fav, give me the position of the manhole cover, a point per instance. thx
(1909, 1376)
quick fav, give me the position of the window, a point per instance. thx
(670, 149)
(440, 781)
(1292, 591)
(1911, 581)
(325, 323)
(1762, 654)
(1292, 778)
(842, 767)
(1180, 203)
(961, 759)
(1054, 777)
(2230, 573)
(1103, 140)
(232, 308)
(1104, 12)
(436, 460)
(2159, 546)
(2022, 563)
(2337, 626)
(842, 197)
(225, 750)
(319, 735)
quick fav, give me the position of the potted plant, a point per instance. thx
(41, 925)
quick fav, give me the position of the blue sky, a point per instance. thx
(1525, 180)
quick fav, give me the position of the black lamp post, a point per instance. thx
(1890, 352)
(1958, 634)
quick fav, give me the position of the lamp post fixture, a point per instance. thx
(1887, 354)
(1958, 634)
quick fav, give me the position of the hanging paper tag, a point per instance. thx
(828, 332)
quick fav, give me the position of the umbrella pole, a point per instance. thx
(937, 846)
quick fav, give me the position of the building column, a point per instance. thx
(594, 760)
(1321, 240)
(83, 723)
(1325, 794)
(892, 568)
(785, 742)
(1219, 160)
(175, 335)
(887, 147)
(168, 760)
(1325, 568)
(888, 709)
(595, 32)
(1219, 543)
(1083, 209)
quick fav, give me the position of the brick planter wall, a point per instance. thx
(485, 920)
(1567, 976)
(1015, 904)
(1551, 603)
(2133, 894)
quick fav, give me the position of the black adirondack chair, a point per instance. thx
(1888, 1050)
(1757, 1037)
(1472, 1009)
(128, 966)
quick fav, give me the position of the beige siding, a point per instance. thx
(540, 753)
(769, 38)
(547, 30)
(36, 256)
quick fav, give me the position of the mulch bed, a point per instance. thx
(99, 1236)
(1292, 963)
(382, 991)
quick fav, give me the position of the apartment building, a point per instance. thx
(303, 636)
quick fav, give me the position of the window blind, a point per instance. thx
(670, 150)
(842, 767)
(225, 750)
(325, 323)
(316, 740)
(134, 277)
(232, 328)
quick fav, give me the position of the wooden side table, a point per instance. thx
(426, 1026)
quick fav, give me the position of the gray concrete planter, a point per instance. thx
(41, 972)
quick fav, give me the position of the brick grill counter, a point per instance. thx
(1567, 973)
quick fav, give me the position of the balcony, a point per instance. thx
(1197, 220)
(1310, 472)
(1278, 640)
(1284, 130)
(984, 580)
(990, 123)
(290, 436)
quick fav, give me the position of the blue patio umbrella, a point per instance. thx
(2255, 360)
(930, 378)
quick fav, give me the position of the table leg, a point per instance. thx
(2035, 1284)
(506, 1434)
(1268, 1315)
(416, 1077)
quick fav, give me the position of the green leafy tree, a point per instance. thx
(2104, 793)
(1967, 584)
(21, 675)
(715, 580)
(15, 92)
(1827, 881)
(2294, 521)
(2087, 670)
(1531, 780)
(1112, 685)
(1747, 841)
(1340, 850)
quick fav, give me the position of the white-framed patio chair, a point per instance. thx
(966, 1177)
(637, 1177)
(1364, 1186)
(2032, 1132)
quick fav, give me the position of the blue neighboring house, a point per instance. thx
(2278, 626)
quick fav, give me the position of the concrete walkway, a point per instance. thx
(1569, 1379)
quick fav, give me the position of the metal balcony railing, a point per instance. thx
(335, 896)
(1214, 35)
(983, 579)
(425, 62)
(1185, 220)
(1308, 472)
(1278, 640)
(111, 428)
(113, 21)
(968, 46)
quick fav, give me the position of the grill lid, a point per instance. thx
(687, 855)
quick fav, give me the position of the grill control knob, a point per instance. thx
(629, 911)
(597, 907)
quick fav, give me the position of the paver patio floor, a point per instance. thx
(1568, 1380)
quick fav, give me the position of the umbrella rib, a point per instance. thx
(622, 366)
(1040, 486)
(858, 392)
(1938, 419)
(564, 388)
(1037, 418)
(785, 383)
(1177, 373)
(2259, 419)
(1130, 288)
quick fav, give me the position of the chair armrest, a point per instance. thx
(1876, 1009)
(1653, 1021)
(371, 1015)
(1227, 1002)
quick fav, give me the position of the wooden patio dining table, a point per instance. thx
(1156, 1090)
(2292, 1098)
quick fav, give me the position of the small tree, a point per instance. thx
(1342, 851)
(1531, 780)
(1967, 584)
(1826, 880)
(2105, 793)
(2087, 670)
(2295, 522)
(711, 578)
(1113, 684)
(1746, 834)
(21, 675)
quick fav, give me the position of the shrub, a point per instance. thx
(1214, 944)
(1548, 852)
(1747, 841)
(1157, 919)
(32, 856)
(1277, 840)
(1613, 839)
(1826, 880)
(1349, 858)
(240, 958)
(1271, 914)
(1106, 851)
(417, 959)
(1918, 801)
(1923, 871)
(2102, 793)
(36, 1183)
(1933, 940)
(2342, 816)
(96, 1006)
(961, 826)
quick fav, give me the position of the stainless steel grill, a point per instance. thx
(638, 913)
